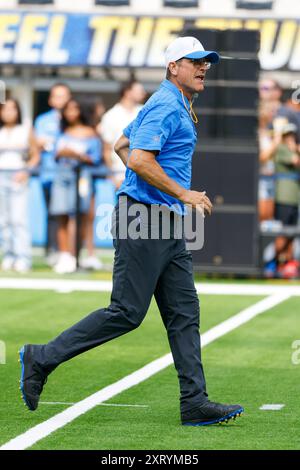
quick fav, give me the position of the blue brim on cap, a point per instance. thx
(212, 56)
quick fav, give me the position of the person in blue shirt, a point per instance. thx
(78, 145)
(47, 130)
(157, 148)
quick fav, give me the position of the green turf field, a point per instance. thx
(251, 365)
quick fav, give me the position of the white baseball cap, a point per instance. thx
(190, 48)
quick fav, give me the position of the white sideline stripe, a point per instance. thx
(99, 404)
(247, 289)
(271, 407)
(42, 430)
(70, 285)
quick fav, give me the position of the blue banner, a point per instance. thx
(84, 39)
(63, 39)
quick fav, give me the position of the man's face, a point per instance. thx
(59, 97)
(190, 74)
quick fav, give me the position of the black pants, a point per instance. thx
(162, 267)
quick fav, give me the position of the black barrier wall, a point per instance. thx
(226, 163)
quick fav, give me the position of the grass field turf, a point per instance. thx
(251, 365)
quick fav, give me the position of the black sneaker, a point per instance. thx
(33, 378)
(211, 413)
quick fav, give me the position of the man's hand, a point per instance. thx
(196, 198)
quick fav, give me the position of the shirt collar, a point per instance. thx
(173, 88)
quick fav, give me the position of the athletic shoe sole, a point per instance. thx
(225, 419)
(21, 360)
(23, 395)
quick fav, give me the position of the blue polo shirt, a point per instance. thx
(47, 126)
(163, 125)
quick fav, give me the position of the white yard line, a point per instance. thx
(99, 404)
(121, 404)
(56, 403)
(272, 407)
(246, 289)
(70, 285)
(44, 429)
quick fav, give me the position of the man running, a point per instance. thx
(157, 148)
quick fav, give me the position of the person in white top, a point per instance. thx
(18, 153)
(114, 121)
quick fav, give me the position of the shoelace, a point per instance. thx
(191, 112)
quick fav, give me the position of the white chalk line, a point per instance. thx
(99, 404)
(272, 407)
(44, 429)
(71, 285)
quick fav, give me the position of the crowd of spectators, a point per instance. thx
(70, 135)
(279, 179)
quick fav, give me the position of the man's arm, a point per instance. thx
(146, 166)
(122, 148)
